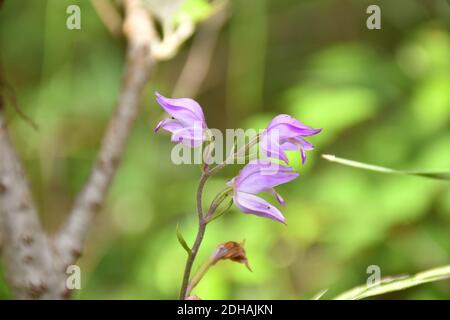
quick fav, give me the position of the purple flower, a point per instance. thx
(286, 133)
(260, 176)
(186, 122)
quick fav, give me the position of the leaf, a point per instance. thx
(222, 211)
(392, 284)
(320, 294)
(182, 241)
(370, 167)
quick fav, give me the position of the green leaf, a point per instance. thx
(370, 167)
(392, 284)
(222, 211)
(320, 294)
(182, 241)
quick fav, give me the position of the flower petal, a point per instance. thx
(191, 136)
(277, 196)
(168, 124)
(249, 203)
(289, 127)
(185, 110)
(303, 154)
(271, 148)
(261, 175)
(306, 145)
(297, 143)
(300, 144)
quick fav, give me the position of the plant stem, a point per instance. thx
(203, 220)
(199, 275)
(198, 239)
(191, 259)
(235, 155)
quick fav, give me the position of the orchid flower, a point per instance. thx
(186, 122)
(286, 133)
(260, 176)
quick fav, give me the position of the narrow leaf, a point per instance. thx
(320, 294)
(182, 241)
(392, 284)
(222, 211)
(370, 167)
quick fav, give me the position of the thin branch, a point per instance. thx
(109, 16)
(200, 55)
(9, 95)
(139, 31)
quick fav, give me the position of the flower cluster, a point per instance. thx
(186, 123)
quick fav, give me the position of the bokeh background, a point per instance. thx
(381, 96)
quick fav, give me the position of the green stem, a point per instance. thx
(198, 239)
(234, 155)
(199, 275)
(204, 219)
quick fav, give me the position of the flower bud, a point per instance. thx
(231, 250)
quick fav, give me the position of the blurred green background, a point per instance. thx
(382, 97)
